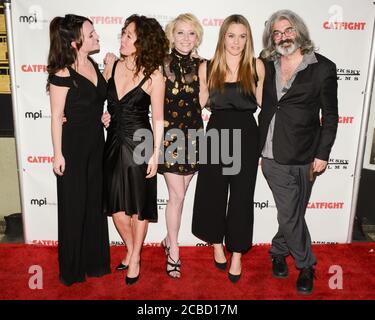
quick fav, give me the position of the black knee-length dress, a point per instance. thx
(182, 112)
(125, 185)
(83, 243)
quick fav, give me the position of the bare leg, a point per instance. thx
(139, 228)
(236, 265)
(123, 225)
(219, 254)
(177, 186)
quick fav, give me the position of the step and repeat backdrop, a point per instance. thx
(340, 29)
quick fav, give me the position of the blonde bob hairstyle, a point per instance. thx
(188, 18)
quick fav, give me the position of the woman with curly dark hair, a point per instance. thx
(130, 173)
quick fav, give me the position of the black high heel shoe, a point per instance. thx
(221, 265)
(132, 280)
(176, 266)
(164, 246)
(233, 277)
(122, 267)
(129, 281)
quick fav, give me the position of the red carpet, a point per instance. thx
(200, 279)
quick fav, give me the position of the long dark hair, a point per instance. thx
(152, 44)
(62, 31)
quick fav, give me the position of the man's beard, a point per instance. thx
(287, 51)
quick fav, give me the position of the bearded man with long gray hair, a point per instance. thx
(300, 86)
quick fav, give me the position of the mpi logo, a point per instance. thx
(29, 19)
(38, 202)
(33, 18)
(34, 115)
(261, 205)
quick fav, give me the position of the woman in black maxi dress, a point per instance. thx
(78, 91)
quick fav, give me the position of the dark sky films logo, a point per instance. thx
(117, 243)
(324, 242)
(162, 18)
(348, 74)
(337, 164)
(162, 203)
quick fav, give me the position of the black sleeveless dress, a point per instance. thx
(82, 228)
(125, 185)
(181, 111)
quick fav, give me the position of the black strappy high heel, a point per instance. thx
(176, 266)
(165, 247)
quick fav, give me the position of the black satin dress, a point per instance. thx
(125, 185)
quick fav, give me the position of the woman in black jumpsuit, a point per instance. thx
(233, 101)
(78, 91)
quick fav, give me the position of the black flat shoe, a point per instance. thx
(122, 267)
(130, 281)
(305, 281)
(279, 267)
(221, 265)
(234, 278)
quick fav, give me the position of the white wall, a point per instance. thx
(349, 47)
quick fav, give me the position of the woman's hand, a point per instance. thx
(109, 61)
(152, 167)
(106, 119)
(59, 165)
(109, 58)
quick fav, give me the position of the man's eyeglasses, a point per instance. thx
(288, 32)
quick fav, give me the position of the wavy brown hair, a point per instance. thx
(62, 31)
(151, 45)
(246, 71)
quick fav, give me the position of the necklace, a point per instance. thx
(232, 74)
(130, 69)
